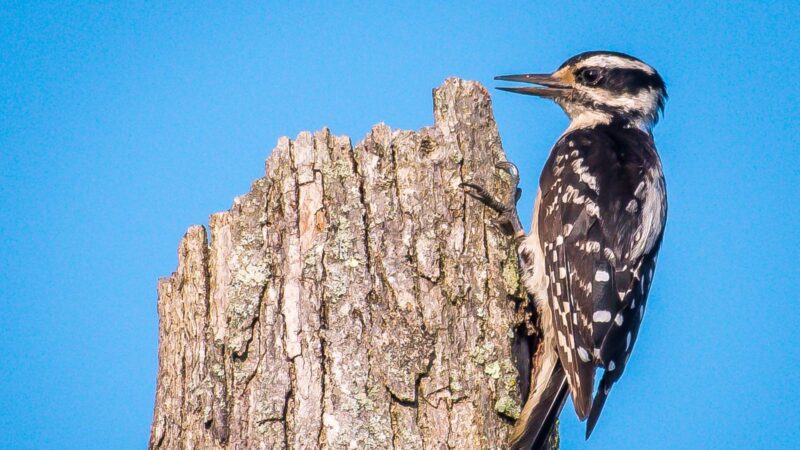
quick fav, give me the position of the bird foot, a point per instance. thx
(508, 220)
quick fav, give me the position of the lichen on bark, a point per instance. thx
(354, 298)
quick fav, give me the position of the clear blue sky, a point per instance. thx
(120, 126)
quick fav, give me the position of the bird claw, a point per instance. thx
(482, 195)
(512, 170)
(509, 167)
(508, 219)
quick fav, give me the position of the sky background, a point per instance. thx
(120, 126)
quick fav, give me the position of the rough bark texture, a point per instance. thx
(354, 298)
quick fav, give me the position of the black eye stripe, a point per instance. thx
(619, 79)
(632, 80)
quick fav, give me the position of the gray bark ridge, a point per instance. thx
(355, 298)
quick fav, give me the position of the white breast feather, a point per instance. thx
(535, 280)
(653, 212)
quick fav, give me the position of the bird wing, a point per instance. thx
(597, 236)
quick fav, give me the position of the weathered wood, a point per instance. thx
(354, 298)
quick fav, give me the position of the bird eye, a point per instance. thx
(589, 76)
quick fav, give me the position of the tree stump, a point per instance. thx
(355, 298)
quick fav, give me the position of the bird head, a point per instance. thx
(600, 87)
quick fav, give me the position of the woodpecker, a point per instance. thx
(598, 223)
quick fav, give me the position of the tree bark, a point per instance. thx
(354, 298)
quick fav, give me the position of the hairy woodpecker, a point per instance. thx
(597, 226)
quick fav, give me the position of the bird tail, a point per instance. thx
(545, 400)
(597, 405)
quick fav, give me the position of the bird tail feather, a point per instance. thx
(597, 404)
(544, 404)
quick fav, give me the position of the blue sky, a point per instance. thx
(120, 126)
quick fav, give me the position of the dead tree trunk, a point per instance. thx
(354, 298)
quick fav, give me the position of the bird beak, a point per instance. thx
(549, 86)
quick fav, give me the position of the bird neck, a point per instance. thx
(590, 118)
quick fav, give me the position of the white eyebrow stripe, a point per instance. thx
(611, 61)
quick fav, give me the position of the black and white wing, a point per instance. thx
(600, 225)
